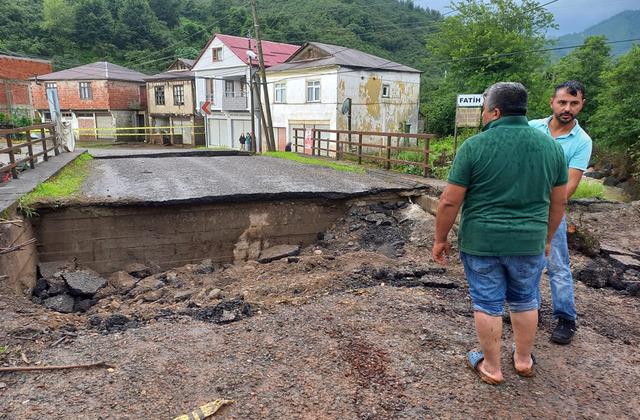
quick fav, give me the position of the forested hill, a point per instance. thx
(147, 34)
(625, 25)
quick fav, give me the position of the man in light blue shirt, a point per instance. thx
(566, 103)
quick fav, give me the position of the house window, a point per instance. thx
(229, 88)
(51, 85)
(386, 89)
(313, 91)
(216, 54)
(85, 90)
(209, 91)
(159, 94)
(281, 93)
(178, 95)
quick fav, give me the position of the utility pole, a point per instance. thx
(253, 106)
(271, 145)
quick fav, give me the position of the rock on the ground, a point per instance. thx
(610, 181)
(215, 294)
(138, 270)
(122, 281)
(277, 252)
(106, 291)
(608, 249)
(60, 303)
(595, 174)
(205, 267)
(40, 290)
(582, 240)
(57, 286)
(183, 295)
(625, 262)
(51, 269)
(83, 305)
(597, 273)
(84, 283)
(115, 321)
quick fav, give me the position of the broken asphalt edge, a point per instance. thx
(414, 191)
(169, 154)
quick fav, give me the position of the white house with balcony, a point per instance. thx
(310, 87)
(222, 72)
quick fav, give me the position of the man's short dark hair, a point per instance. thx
(509, 97)
(572, 87)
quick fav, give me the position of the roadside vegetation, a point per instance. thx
(589, 189)
(316, 161)
(62, 186)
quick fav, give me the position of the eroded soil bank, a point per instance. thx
(358, 325)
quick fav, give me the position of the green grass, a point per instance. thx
(588, 189)
(64, 185)
(315, 161)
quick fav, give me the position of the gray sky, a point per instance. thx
(571, 15)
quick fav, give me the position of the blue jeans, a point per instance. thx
(492, 280)
(560, 278)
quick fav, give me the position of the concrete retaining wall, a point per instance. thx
(106, 239)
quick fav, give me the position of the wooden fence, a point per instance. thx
(358, 143)
(12, 137)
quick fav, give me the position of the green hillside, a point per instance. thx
(147, 35)
(625, 25)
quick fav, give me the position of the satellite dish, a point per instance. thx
(346, 106)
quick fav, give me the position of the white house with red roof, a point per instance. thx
(222, 73)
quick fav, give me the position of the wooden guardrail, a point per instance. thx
(356, 146)
(12, 138)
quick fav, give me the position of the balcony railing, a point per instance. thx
(234, 102)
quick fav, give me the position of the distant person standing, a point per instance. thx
(248, 140)
(242, 141)
(566, 103)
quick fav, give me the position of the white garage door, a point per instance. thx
(219, 134)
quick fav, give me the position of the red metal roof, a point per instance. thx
(274, 52)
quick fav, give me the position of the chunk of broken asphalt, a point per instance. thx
(60, 303)
(277, 252)
(83, 283)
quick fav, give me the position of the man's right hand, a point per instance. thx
(440, 252)
(547, 249)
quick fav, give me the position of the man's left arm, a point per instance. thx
(575, 175)
(448, 207)
(577, 165)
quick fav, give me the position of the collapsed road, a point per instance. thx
(357, 323)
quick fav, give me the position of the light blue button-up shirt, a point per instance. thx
(576, 144)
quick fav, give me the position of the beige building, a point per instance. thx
(172, 106)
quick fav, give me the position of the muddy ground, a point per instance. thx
(361, 325)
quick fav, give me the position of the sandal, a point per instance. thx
(473, 360)
(525, 373)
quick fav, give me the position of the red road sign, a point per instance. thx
(205, 107)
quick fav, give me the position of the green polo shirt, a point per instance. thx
(509, 170)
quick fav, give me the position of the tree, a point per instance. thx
(93, 23)
(138, 27)
(167, 11)
(587, 64)
(489, 42)
(616, 121)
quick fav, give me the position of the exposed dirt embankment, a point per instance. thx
(359, 325)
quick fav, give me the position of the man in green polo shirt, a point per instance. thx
(511, 182)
